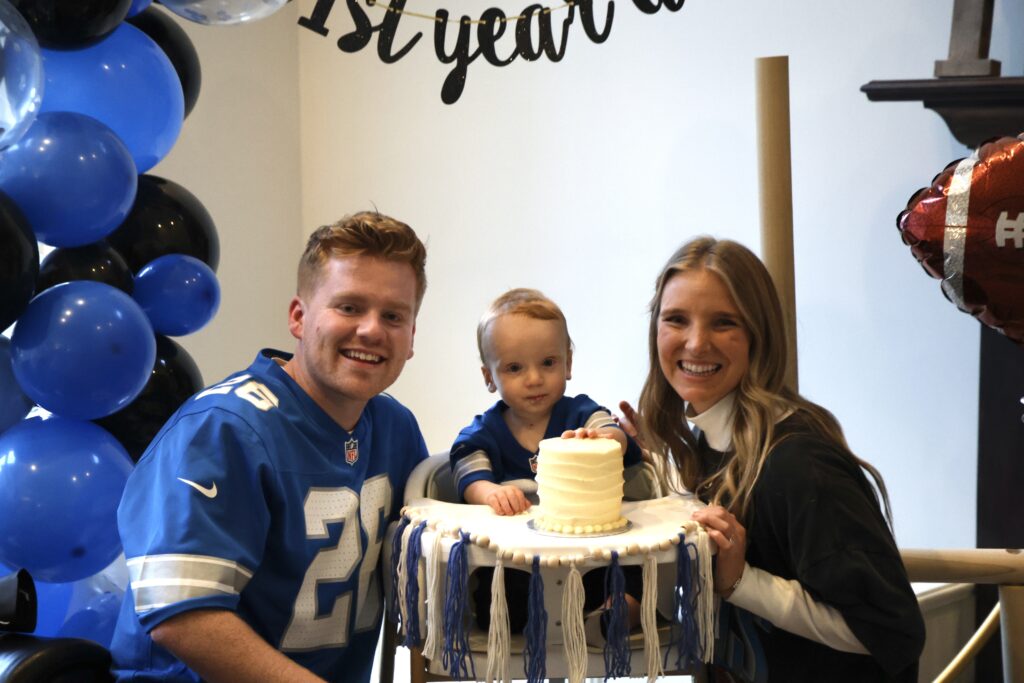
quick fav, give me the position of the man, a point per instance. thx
(253, 524)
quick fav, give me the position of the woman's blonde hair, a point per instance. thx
(762, 395)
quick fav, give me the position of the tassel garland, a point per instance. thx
(498, 636)
(535, 654)
(573, 633)
(616, 644)
(414, 551)
(403, 582)
(435, 608)
(649, 619)
(705, 603)
(456, 651)
(684, 639)
(394, 609)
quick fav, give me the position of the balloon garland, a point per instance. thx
(94, 93)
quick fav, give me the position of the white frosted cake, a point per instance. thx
(579, 482)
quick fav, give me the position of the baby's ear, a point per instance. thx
(488, 380)
(568, 365)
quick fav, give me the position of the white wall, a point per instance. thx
(238, 153)
(580, 178)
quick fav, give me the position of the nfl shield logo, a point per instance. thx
(351, 451)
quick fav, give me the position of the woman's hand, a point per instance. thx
(731, 538)
(629, 421)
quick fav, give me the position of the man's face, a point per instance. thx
(355, 332)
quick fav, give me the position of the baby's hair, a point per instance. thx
(520, 301)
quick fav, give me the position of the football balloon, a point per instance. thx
(967, 229)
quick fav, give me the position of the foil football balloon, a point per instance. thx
(967, 229)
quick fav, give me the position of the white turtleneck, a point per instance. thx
(783, 602)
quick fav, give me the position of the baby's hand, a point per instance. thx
(583, 433)
(507, 500)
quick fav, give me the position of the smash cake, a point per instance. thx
(579, 483)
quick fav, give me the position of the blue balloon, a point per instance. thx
(53, 601)
(83, 349)
(14, 404)
(72, 178)
(223, 11)
(138, 6)
(179, 293)
(61, 481)
(21, 76)
(127, 82)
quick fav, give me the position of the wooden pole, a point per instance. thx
(776, 190)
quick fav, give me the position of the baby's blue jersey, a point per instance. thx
(487, 450)
(252, 499)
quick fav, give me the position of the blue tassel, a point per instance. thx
(616, 643)
(394, 612)
(684, 639)
(455, 650)
(535, 655)
(412, 587)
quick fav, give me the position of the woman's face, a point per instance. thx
(703, 346)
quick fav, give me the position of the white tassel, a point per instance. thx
(435, 602)
(707, 618)
(649, 619)
(498, 635)
(403, 575)
(573, 634)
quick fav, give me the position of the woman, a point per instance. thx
(802, 539)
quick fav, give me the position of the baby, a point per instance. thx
(526, 353)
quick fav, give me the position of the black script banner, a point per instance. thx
(534, 36)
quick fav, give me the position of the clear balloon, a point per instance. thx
(83, 349)
(174, 379)
(166, 219)
(19, 261)
(14, 404)
(223, 11)
(176, 44)
(98, 262)
(72, 178)
(61, 481)
(127, 82)
(179, 293)
(21, 77)
(72, 23)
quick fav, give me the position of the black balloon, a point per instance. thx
(165, 219)
(97, 261)
(175, 43)
(19, 262)
(175, 377)
(72, 23)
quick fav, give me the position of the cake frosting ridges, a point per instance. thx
(579, 482)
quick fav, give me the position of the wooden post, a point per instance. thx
(776, 190)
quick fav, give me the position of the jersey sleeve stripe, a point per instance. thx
(159, 580)
(599, 420)
(474, 462)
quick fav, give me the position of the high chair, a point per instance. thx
(432, 480)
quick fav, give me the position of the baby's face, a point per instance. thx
(528, 363)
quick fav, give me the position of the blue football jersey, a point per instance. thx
(486, 450)
(252, 499)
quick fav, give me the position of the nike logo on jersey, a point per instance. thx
(210, 492)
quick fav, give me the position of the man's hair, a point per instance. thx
(366, 233)
(520, 301)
